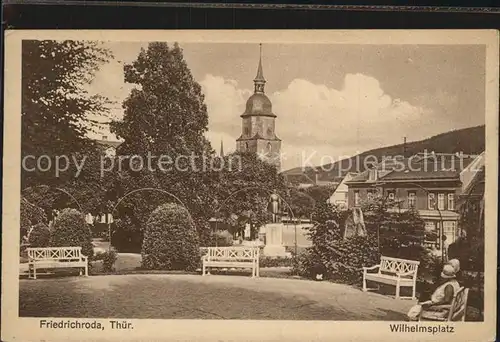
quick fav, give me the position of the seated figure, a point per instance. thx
(438, 307)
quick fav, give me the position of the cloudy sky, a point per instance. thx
(331, 101)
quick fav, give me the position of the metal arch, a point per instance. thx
(59, 189)
(154, 189)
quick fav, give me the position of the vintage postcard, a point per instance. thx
(250, 185)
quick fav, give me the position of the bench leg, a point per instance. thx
(397, 290)
(364, 283)
(413, 294)
(86, 270)
(34, 271)
(203, 269)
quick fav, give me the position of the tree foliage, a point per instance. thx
(167, 114)
(243, 188)
(56, 102)
(30, 215)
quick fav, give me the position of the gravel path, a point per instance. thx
(164, 296)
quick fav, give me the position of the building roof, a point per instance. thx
(436, 166)
(258, 105)
(109, 143)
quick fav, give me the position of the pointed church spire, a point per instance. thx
(259, 80)
(221, 149)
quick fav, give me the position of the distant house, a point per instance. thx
(340, 195)
(108, 146)
(303, 180)
(430, 183)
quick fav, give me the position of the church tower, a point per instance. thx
(258, 124)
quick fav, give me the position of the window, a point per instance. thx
(356, 197)
(441, 201)
(411, 199)
(269, 147)
(391, 195)
(450, 231)
(431, 234)
(451, 201)
(431, 201)
(246, 147)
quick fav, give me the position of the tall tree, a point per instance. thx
(167, 114)
(164, 116)
(55, 100)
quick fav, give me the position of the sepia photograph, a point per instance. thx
(252, 177)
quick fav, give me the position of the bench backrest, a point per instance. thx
(55, 253)
(231, 253)
(395, 265)
(459, 305)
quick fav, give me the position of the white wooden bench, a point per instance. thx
(393, 271)
(231, 257)
(458, 308)
(56, 257)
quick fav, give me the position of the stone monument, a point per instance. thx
(274, 241)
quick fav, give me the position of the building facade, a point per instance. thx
(258, 124)
(431, 185)
(340, 196)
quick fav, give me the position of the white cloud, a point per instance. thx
(314, 119)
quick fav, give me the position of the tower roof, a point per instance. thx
(260, 73)
(259, 104)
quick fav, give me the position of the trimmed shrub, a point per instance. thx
(108, 260)
(39, 236)
(170, 240)
(71, 230)
(219, 239)
(266, 261)
(304, 264)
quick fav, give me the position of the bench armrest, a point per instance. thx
(370, 268)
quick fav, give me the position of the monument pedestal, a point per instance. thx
(276, 251)
(274, 241)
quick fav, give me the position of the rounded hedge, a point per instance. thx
(71, 230)
(39, 236)
(170, 240)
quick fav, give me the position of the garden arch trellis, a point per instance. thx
(120, 200)
(53, 188)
